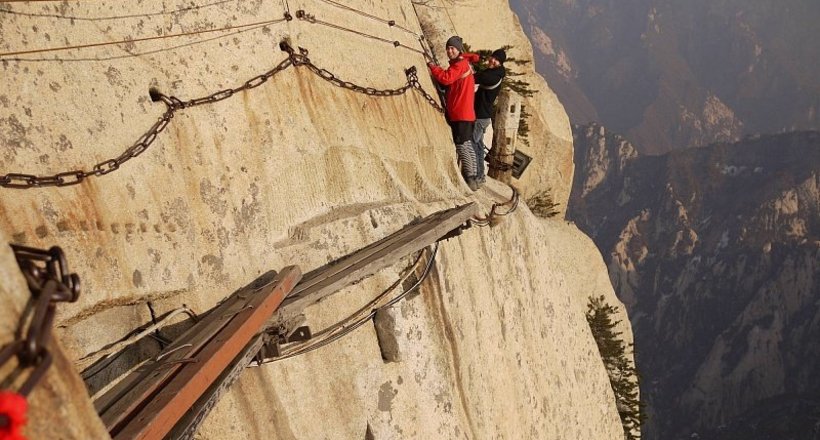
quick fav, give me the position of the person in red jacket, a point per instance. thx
(459, 102)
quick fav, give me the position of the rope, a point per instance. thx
(137, 40)
(113, 17)
(103, 353)
(353, 322)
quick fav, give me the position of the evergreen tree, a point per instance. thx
(623, 377)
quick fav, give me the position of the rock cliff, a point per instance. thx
(716, 253)
(292, 171)
(671, 75)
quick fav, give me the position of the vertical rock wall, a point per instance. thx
(295, 171)
(491, 25)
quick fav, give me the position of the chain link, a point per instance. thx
(174, 104)
(47, 277)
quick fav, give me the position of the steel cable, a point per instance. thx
(310, 18)
(391, 23)
(494, 217)
(345, 327)
(138, 54)
(138, 40)
(112, 17)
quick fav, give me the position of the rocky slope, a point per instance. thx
(294, 171)
(677, 74)
(716, 253)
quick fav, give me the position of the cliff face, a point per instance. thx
(671, 75)
(715, 251)
(294, 171)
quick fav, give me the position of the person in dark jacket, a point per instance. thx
(460, 104)
(488, 83)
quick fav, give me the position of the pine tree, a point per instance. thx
(623, 376)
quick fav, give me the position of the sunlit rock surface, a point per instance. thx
(295, 171)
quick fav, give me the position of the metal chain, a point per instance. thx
(301, 59)
(413, 79)
(46, 273)
(173, 104)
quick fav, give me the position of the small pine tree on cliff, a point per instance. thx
(623, 377)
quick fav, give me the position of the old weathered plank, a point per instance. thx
(328, 279)
(152, 402)
(166, 407)
(187, 426)
(121, 401)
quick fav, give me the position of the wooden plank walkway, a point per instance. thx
(149, 401)
(173, 395)
(326, 280)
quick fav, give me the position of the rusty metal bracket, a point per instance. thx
(301, 334)
(456, 231)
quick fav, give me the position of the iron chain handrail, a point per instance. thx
(47, 277)
(173, 104)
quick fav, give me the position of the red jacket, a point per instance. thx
(459, 79)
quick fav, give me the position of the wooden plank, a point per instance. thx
(120, 404)
(367, 261)
(169, 405)
(121, 401)
(450, 218)
(345, 262)
(187, 426)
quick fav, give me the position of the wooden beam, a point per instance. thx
(187, 426)
(324, 281)
(122, 400)
(169, 405)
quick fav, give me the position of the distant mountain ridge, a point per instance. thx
(671, 75)
(716, 253)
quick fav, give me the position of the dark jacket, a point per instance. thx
(486, 94)
(458, 78)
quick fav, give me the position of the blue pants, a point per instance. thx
(478, 144)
